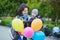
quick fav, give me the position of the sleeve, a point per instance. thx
(28, 22)
(14, 34)
(31, 19)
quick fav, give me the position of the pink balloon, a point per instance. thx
(28, 32)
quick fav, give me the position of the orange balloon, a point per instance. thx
(36, 24)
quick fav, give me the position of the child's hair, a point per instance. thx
(21, 8)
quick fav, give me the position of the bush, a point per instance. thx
(6, 21)
(50, 24)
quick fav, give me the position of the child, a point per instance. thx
(34, 15)
(22, 13)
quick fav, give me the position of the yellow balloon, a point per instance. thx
(18, 25)
(36, 24)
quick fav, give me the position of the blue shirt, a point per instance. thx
(25, 17)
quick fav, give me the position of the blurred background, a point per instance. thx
(48, 9)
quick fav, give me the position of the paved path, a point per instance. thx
(52, 38)
(4, 34)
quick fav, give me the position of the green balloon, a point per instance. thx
(29, 39)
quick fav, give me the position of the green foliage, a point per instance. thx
(56, 5)
(9, 7)
(6, 21)
(33, 4)
(44, 8)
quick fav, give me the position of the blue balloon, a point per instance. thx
(39, 35)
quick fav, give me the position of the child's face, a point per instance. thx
(25, 11)
(33, 15)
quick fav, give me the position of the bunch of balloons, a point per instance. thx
(29, 32)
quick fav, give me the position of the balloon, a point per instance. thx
(29, 39)
(39, 35)
(28, 32)
(36, 24)
(18, 25)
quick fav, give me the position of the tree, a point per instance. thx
(56, 5)
(9, 7)
(44, 8)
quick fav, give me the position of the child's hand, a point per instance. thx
(22, 33)
(28, 16)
